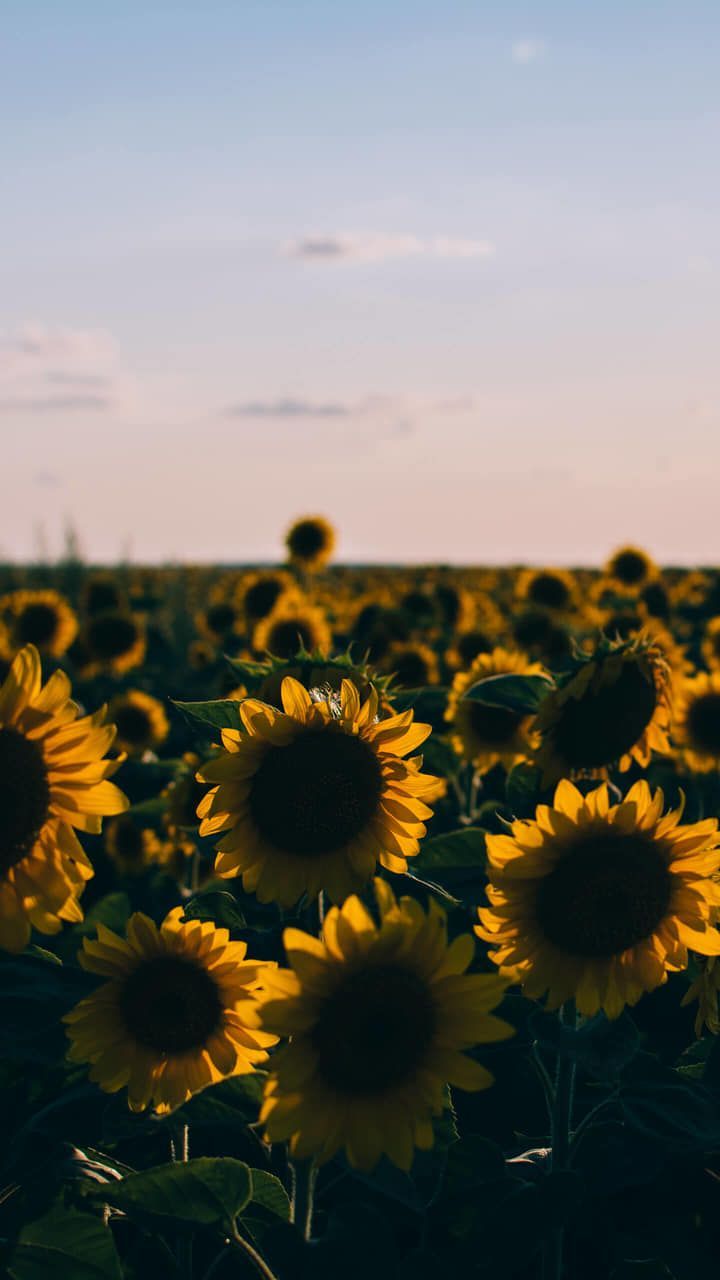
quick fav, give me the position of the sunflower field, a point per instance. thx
(359, 921)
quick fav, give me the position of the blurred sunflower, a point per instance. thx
(704, 989)
(130, 846)
(455, 606)
(141, 722)
(412, 664)
(613, 707)
(312, 797)
(696, 723)
(101, 592)
(293, 626)
(378, 1019)
(310, 543)
(711, 644)
(631, 567)
(553, 589)
(170, 1020)
(259, 593)
(52, 778)
(597, 903)
(42, 618)
(182, 797)
(486, 735)
(114, 641)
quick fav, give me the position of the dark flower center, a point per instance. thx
(411, 669)
(419, 605)
(307, 539)
(110, 635)
(656, 600)
(37, 624)
(532, 628)
(288, 637)
(101, 596)
(448, 599)
(703, 723)
(629, 567)
(133, 724)
(261, 597)
(170, 1004)
(127, 839)
(471, 644)
(317, 794)
(24, 796)
(220, 618)
(374, 1030)
(602, 725)
(493, 726)
(605, 895)
(549, 590)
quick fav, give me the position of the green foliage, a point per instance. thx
(203, 1192)
(513, 692)
(219, 714)
(65, 1244)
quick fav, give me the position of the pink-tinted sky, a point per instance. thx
(448, 274)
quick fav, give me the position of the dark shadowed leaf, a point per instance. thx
(206, 1192)
(465, 848)
(66, 1245)
(219, 906)
(515, 693)
(222, 714)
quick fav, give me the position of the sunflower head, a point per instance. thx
(130, 846)
(487, 735)
(141, 722)
(53, 780)
(612, 707)
(598, 902)
(314, 672)
(313, 796)
(310, 542)
(552, 589)
(41, 618)
(114, 641)
(711, 644)
(631, 567)
(455, 605)
(259, 593)
(294, 628)
(413, 665)
(170, 1019)
(379, 1017)
(102, 592)
(696, 723)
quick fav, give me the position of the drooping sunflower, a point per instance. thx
(42, 618)
(597, 902)
(631, 567)
(293, 626)
(486, 735)
(141, 722)
(696, 723)
(553, 589)
(53, 778)
(310, 542)
(131, 846)
(169, 1021)
(114, 641)
(314, 796)
(612, 707)
(378, 1019)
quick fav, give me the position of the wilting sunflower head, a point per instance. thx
(131, 846)
(596, 903)
(171, 1018)
(312, 797)
(53, 778)
(141, 722)
(310, 542)
(114, 641)
(412, 664)
(631, 567)
(294, 627)
(696, 723)
(487, 735)
(379, 1017)
(552, 589)
(42, 618)
(613, 707)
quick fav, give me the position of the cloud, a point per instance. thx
(36, 349)
(289, 407)
(524, 51)
(55, 404)
(380, 246)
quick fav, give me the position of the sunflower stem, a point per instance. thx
(304, 1174)
(256, 1258)
(560, 1126)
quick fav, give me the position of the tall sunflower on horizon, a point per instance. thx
(314, 796)
(53, 778)
(310, 542)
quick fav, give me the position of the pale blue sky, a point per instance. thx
(448, 273)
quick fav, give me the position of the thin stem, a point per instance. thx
(304, 1174)
(321, 910)
(587, 1120)
(560, 1125)
(546, 1082)
(257, 1259)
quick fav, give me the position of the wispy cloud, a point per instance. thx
(380, 246)
(524, 51)
(289, 407)
(55, 404)
(37, 349)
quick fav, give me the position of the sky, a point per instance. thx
(446, 273)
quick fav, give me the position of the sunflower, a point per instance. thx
(612, 707)
(696, 726)
(52, 778)
(114, 641)
(321, 673)
(292, 627)
(42, 618)
(259, 593)
(102, 592)
(553, 589)
(631, 567)
(412, 664)
(711, 644)
(310, 542)
(378, 1018)
(169, 1021)
(598, 903)
(182, 797)
(141, 722)
(132, 847)
(312, 797)
(486, 735)
(455, 605)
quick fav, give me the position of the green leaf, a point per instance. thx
(113, 911)
(230, 1105)
(67, 1245)
(207, 1192)
(268, 1191)
(523, 789)
(220, 714)
(515, 693)
(602, 1047)
(35, 992)
(219, 906)
(463, 848)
